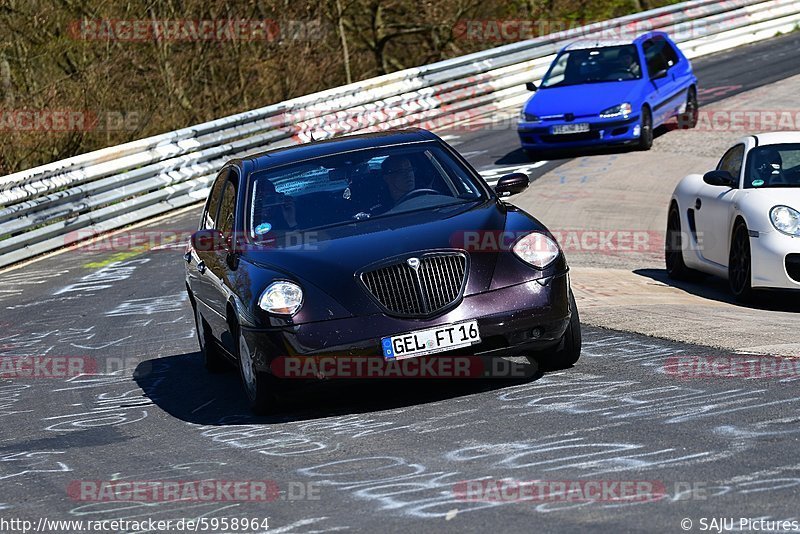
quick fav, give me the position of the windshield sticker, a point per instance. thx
(263, 228)
(758, 183)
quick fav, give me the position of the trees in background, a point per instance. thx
(72, 56)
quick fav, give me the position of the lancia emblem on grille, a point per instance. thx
(413, 263)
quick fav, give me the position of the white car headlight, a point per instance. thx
(282, 298)
(536, 249)
(786, 220)
(622, 110)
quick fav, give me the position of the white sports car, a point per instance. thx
(742, 220)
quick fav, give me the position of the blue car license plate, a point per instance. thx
(570, 128)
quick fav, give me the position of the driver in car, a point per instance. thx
(767, 165)
(628, 63)
(398, 176)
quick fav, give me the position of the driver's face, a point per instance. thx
(399, 177)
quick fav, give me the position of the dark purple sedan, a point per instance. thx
(385, 245)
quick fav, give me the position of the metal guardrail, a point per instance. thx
(54, 205)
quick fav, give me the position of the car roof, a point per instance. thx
(336, 145)
(599, 42)
(776, 138)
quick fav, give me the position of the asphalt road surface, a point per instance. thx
(635, 412)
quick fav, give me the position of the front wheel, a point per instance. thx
(259, 386)
(569, 350)
(646, 130)
(739, 264)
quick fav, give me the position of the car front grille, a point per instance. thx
(434, 285)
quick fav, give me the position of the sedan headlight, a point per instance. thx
(536, 249)
(786, 220)
(528, 117)
(282, 298)
(622, 110)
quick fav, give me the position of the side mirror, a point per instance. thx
(511, 184)
(660, 74)
(530, 86)
(720, 178)
(209, 240)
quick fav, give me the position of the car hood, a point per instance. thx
(583, 100)
(330, 258)
(756, 204)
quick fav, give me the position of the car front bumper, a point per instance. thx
(519, 319)
(538, 136)
(775, 260)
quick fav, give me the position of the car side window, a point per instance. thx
(227, 209)
(654, 57)
(732, 161)
(212, 204)
(670, 55)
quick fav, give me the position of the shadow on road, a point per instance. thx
(181, 386)
(519, 156)
(714, 288)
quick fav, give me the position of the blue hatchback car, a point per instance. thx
(605, 93)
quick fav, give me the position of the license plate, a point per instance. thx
(570, 128)
(430, 341)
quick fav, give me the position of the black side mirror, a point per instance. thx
(530, 86)
(511, 184)
(660, 74)
(209, 240)
(720, 178)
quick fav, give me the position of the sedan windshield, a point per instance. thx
(773, 166)
(593, 65)
(356, 186)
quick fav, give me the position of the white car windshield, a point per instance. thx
(773, 166)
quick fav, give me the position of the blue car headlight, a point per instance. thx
(528, 117)
(621, 110)
(786, 220)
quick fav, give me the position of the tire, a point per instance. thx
(688, 119)
(569, 350)
(739, 264)
(673, 249)
(259, 387)
(646, 130)
(213, 359)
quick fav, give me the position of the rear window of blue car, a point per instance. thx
(594, 65)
